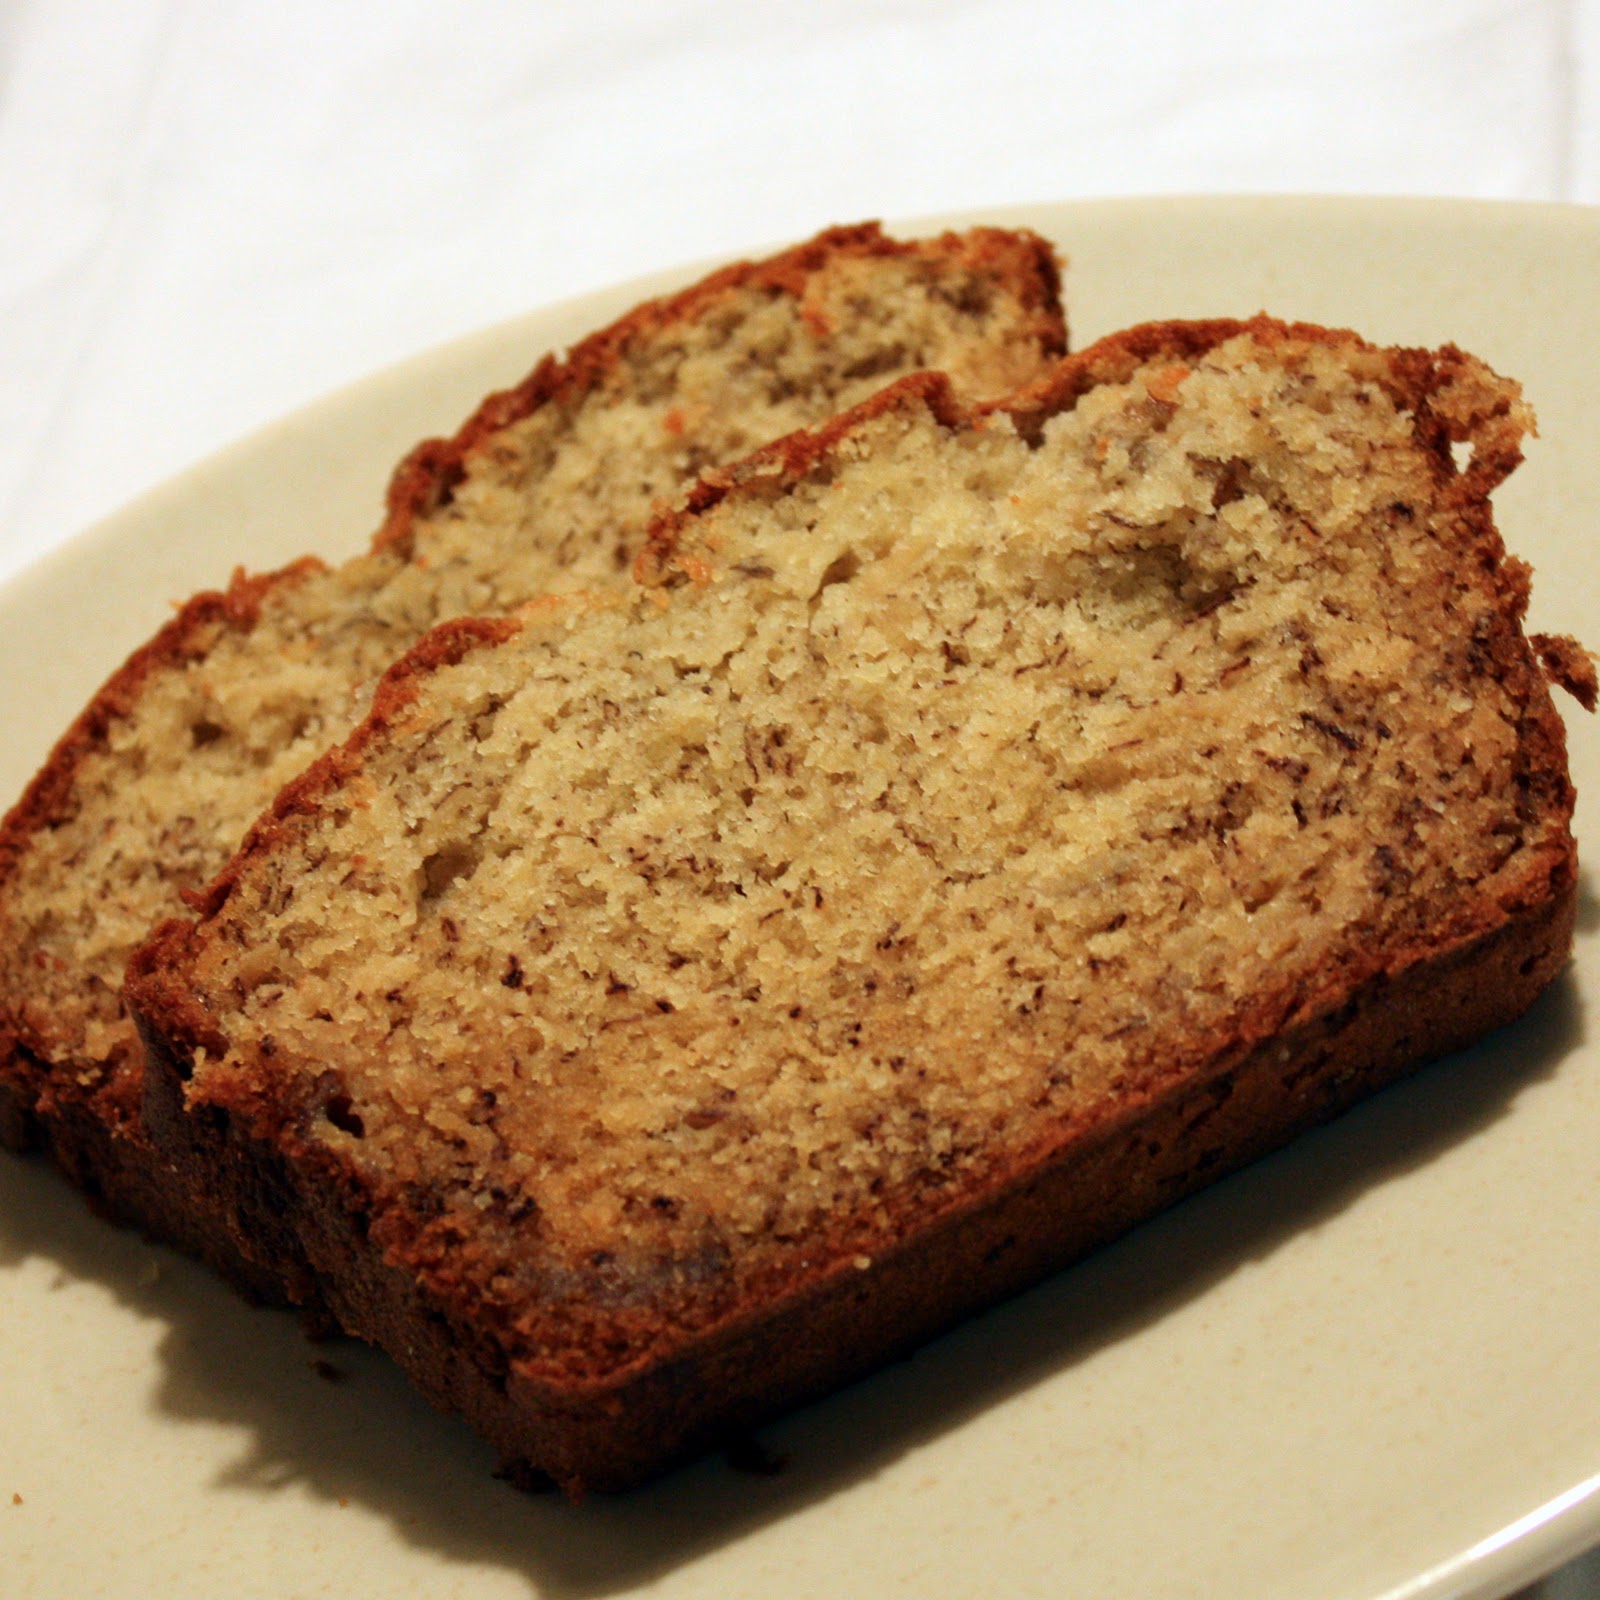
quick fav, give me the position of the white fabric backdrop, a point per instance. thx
(211, 210)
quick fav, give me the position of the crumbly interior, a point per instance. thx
(555, 502)
(940, 796)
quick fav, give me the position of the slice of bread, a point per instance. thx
(981, 827)
(549, 486)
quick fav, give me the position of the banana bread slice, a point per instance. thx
(548, 486)
(982, 827)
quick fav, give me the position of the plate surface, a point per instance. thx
(1365, 1367)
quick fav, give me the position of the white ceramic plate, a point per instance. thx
(1366, 1367)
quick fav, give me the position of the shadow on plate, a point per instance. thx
(338, 1420)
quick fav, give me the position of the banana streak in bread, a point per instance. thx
(979, 827)
(548, 486)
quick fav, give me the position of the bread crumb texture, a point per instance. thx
(551, 500)
(938, 795)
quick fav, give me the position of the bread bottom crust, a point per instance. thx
(612, 1432)
(123, 1183)
(19, 1130)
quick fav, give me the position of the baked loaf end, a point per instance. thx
(982, 827)
(548, 486)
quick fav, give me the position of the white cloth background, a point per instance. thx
(213, 210)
